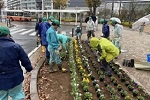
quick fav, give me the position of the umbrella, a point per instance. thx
(93, 18)
(115, 18)
(143, 20)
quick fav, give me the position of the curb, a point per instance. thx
(33, 81)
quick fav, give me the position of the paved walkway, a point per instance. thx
(136, 47)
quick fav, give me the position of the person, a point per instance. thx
(117, 35)
(141, 28)
(78, 32)
(63, 39)
(90, 28)
(11, 73)
(105, 29)
(42, 33)
(108, 51)
(36, 30)
(54, 47)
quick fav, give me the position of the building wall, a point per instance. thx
(13, 4)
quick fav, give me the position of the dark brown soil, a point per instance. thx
(54, 86)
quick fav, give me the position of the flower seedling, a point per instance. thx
(119, 87)
(130, 87)
(85, 88)
(123, 93)
(128, 98)
(140, 98)
(88, 96)
(115, 97)
(102, 77)
(127, 83)
(135, 92)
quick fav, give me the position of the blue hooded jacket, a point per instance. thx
(105, 30)
(11, 73)
(43, 27)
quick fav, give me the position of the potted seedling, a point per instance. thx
(140, 98)
(95, 82)
(123, 93)
(119, 87)
(99, 92)
(102, 77)
(102, 97)
(113, 68)
(135, 92)
(112, 78)
(119, 74)
(130, 87)
(116, 71)
(92, 77)
(100, 72)
(146, 95)
(140, 88)
(115, 97)
(85, 88)
(122, 78)
(127, 83)
(112, 91)
(88, 96)
(109, 74)
(127, 98)
(96, 87)
(115, 82)
(105, 84)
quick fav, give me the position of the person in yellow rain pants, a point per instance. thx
(108, 51)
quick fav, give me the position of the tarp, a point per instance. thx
(142, 65)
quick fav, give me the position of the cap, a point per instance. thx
(44, 19)
(51, 18)
(102, 21)
(114, 21)
(4, 31)
(56, 22)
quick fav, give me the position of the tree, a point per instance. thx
(60, 4)
(132, 8)
(93, 4)
(1, 6)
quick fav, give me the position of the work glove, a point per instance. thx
(57, 52)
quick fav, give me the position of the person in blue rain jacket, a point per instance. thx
(43, 27)
(12, 57)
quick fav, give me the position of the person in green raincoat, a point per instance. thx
(64, 40)
(107, 50)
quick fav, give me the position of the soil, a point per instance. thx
(56, 86)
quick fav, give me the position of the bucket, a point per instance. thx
(148, 57)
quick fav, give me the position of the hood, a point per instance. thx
(94, 42)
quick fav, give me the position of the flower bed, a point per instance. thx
(87, 80)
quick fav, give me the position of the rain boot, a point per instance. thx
(43, 49)
(52, 68)
(61, 69)
(47, 60)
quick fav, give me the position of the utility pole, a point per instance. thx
(112, 10)
(42, 7)
(52, 6)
